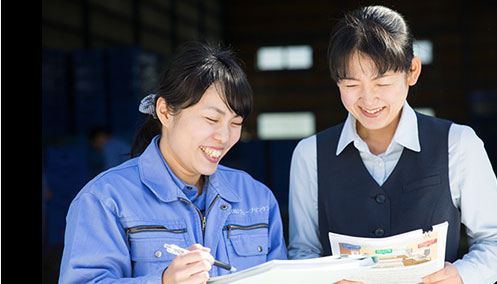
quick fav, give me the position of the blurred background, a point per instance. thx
(99, 58)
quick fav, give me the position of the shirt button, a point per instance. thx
(379, 232)
(158, 253)
(223, 207)
(259, 248)
(380, 164)
(380, 198)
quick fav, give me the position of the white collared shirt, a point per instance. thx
(473, 188)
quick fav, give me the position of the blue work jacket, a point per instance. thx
(118, 223)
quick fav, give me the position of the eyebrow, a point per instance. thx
(220, 111)
(375, 78)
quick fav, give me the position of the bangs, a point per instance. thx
(233, 84)
(370, 39)
(197, 69)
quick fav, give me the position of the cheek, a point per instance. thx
(235, 136)
(347, 98)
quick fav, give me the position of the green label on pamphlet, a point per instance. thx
(383, 251)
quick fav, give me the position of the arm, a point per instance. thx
(477, 186)
(474, 191)
(277, 245)
(96, 250)
(95, 246)
(303, 206)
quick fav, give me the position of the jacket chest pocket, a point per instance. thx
(147, 250)
(247, 245)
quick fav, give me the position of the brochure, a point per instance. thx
(403, 258)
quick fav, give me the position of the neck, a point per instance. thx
(378, 139)
(178, 168)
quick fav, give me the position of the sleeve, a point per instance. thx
(95, 249)
(303, 203)
(474, 191)
(277, 246)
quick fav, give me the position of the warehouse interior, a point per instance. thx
(100, 58)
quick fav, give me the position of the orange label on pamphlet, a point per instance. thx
(427, 243)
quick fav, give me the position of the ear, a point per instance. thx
(162, 112)
(414, 71)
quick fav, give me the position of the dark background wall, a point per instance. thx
(99, 58)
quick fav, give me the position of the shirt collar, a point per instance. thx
(160, 179)
(406, 133)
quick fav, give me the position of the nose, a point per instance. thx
(222, 134)
(368, 96)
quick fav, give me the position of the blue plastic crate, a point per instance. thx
(250, 157)
(55, 93)
(133, 73)
(90, 89)
(280, 156)
(66, 171)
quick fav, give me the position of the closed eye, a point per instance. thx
(211, 119)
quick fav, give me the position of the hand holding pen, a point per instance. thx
(191, 267)
(176, 250)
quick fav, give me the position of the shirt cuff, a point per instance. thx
(469, 274)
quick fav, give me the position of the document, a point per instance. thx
(402, 259)
(322, 270)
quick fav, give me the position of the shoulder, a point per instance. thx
(305, 147)
(463, 137)
(108, 184)
(246, 187)
(237, 176)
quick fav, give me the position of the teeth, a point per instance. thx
(373, 111)
(211, 152)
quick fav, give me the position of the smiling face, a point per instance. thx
(194, 140)
(375, 100)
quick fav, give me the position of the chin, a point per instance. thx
(372, 125)
(207, 171)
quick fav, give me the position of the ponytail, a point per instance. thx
(150, 128)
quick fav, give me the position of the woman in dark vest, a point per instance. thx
(388, 169)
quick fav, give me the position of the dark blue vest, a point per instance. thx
(415, 195)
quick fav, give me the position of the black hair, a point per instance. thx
(378, 32)
(190, 73)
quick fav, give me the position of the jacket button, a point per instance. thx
(158, 253)
(223, 207)
(259, 248)
(380, 198)
(379, 232)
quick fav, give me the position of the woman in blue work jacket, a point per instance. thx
(173, 190)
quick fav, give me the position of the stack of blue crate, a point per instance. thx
(280, 157)
(55, 93)
(249, 156)
(90, 89)
(483, 119)
(133, 73)
(65, 168)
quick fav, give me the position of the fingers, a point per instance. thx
(449, 273)
(343, 281)
(191, 267)
(199, 247)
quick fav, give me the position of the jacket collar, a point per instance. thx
(163, 183)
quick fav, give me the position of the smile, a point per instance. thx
(372, 111)
(213, 153)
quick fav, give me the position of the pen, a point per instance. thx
(176, 250)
